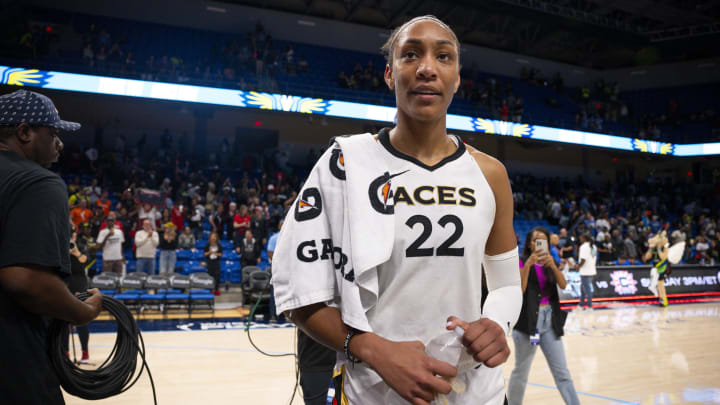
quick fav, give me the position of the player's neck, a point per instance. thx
(425, 141)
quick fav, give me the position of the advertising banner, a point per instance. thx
(626, 282)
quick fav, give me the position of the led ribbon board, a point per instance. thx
(280, 102)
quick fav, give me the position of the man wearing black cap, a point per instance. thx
(34, 248)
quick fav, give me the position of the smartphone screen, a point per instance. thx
(541, 245)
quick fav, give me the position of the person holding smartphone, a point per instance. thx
(541, 321)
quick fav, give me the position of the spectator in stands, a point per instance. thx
(504, 111)
(89, 55)
(104, 203)
(343, 81)
(617, 244)
(81, 213)
(605, 250)
(110, 240)
(517, 110)
(186, 240)
(701, 250)
(229, 221)
(258, 226)
(79, 194)
(178, 216)
(96, 220)
(213, 254)
(168, 247)
(146, 243)
(218, 220)
(249, 249)
(680, 234)
(94, 191)
(149, 212)
(127, 198)
(165, 217)
(101, 59)
(630, 248)
(112, 217)
(211, 194)
(241, 222)
(587, 259)
(714, 252)
(303, 65)
(197, 214)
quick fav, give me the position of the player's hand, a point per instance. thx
(484, 339)
(406, 368)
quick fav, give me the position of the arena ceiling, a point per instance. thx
(592, 33)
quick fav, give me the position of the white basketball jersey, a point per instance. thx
(443, 217)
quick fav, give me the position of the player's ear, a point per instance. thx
(389, 78)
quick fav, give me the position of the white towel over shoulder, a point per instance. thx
(332, 239)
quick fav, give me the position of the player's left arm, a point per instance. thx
(486, 337)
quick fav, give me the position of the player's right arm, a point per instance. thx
(404, 366)
(302, 288)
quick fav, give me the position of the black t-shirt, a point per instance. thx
(213, 263)
(34, 229)
(250, 250)
(566, 242)
(313, 356)
(171, 245)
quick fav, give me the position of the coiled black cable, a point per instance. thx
(117, 373)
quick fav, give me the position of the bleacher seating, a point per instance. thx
(201, 285)
(195, 48)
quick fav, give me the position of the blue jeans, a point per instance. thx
(586, 291)
(167, 261)
(554, 351)
(146, 264)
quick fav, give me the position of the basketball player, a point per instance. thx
(453, 211)
(34, 248)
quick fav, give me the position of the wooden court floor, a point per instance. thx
(629, 355)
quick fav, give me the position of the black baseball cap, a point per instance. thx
(32, 108)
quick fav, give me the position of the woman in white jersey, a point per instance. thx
(452, 209)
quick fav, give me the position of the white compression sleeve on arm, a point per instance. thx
(505, 296)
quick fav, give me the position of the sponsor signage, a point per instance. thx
(18, 76)
(633, 281)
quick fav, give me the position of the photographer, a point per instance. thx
(541, 320)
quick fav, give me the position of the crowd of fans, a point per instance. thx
(160, 202)
(224, 64)
(164, 202)
(621, 217)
